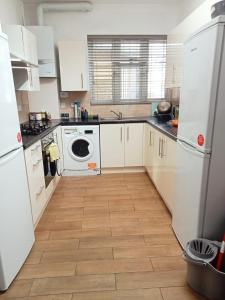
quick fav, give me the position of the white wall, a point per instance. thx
(195, 20)
(11, 12)
(188, 6)
(111, 18)
(46, 99)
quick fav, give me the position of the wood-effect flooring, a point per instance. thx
(104, 237)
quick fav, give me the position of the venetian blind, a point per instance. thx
(127, 69)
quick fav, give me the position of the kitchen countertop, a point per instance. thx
(29, 140)
(165, 128)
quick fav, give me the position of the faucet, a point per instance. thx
(119, 115)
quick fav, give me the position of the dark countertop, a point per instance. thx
(165, 128)
(29, 140)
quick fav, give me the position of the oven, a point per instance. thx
(50, 167)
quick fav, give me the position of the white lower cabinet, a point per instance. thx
(160, 163)
(36, 179)
(121, 145)
(112, 145)
(133, 144)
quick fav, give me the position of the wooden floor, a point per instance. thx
(104, 238)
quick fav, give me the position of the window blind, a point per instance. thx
(127, 69)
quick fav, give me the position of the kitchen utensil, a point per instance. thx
(201, 250)
(218, 9)
(164, 107)
(221, 255)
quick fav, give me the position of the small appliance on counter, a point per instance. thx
(164, 111)
(84, 114)
(218, 9)
(77, 110)
(65, 116)
(39, 116)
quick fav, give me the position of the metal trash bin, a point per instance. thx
(205, 279)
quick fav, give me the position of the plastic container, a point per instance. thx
(205, 279)
(218, 9)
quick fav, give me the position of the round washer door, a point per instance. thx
(80, 148)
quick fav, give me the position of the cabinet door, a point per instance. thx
(134, 144)
(112, 145)
(36, 181)
(30, 47)
(15, 38)
(168, 172)
(73, 66)
(26, 79)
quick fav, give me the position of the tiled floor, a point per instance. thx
(104, 238)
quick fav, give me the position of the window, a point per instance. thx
(127, 69)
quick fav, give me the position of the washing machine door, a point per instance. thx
(80, 148)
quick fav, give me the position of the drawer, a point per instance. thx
(38, 200)
(33, 153)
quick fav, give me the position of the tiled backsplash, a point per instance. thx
(131, 110)
(22, 105)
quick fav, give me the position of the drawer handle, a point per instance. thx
(40, 190)
(36, 148)
(37, 162)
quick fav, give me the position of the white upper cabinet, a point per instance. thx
(22, 44)
(45, 50)
(26, 79)
(133, 144)
(73, 65)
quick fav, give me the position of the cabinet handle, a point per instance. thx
(36, 148)
(37, 162)
(82, 80)
(40, 190)
(160, 147)
(121, 134)
(128, 133)
(163, 148)
(151, 139)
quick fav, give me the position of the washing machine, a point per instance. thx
(81, 150)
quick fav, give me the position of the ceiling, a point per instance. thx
(113, 1)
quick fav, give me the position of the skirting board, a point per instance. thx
(123, 170)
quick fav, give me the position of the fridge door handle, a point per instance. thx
(6, 158)
(192, 150)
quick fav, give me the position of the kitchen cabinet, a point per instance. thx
(112, 145)
(160, 163)
(57, 134)
(45, 50)
(121, 145)
(26, 78)
(36, 180)
(133, 144)
(73, 65)
(22, 44)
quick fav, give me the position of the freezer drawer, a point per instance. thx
(191, 184)
(16, 227)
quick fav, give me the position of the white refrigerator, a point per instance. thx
(199, 209)
(16, 227)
